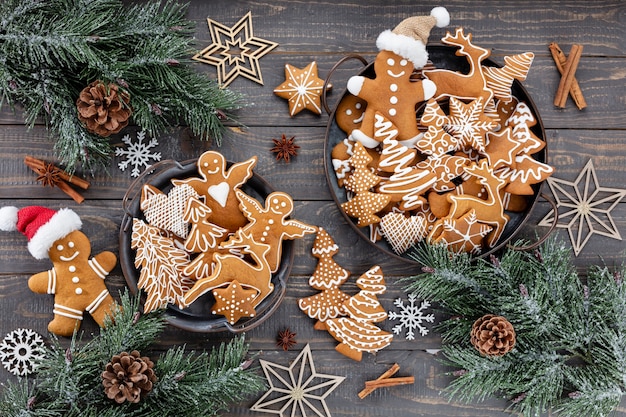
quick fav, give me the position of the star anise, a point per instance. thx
(286, 339)
(285, 148)
(49, 175)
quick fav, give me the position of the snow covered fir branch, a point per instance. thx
(570, 350)
(51, 50)
(70, 382)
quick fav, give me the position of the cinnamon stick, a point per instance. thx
(568, 76)
(388, 373)
(559, 60)
(390, 382)
(37, 164)
(63, 186)
(40, 167)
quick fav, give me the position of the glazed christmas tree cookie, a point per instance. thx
(204, 238)
(500, 79)
(162, 264)
(364, 204)
(327, 278)
(357, 333)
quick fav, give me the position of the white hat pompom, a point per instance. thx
(441, 15)
(8, 218)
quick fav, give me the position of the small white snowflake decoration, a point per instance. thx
(138, 154)
(411, 317)
(21, 350)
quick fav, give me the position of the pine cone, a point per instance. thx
(103, 108)
(493, 335)
(128, 377)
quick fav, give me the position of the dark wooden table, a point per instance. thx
(326, 32)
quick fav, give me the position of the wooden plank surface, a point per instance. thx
(325, 32)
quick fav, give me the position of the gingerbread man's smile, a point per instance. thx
(391, 74)
(69, 258)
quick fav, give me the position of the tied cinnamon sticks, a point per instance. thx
(567, 67)
(50, 175)
(386, 380)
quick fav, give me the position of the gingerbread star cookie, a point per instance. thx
(302, 88)
(234, 302)
(218, 185)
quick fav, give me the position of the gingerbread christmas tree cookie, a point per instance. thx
(327, 278)
(357, 333)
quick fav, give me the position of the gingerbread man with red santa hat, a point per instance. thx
(76, 280)
(393, 93)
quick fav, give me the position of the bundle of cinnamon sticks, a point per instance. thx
(567, 66)
(50, 175)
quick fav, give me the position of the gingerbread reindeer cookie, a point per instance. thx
(76, 280)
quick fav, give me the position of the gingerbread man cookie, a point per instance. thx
(76, 280)
(270, 224)
(394, 93)
(218, 185)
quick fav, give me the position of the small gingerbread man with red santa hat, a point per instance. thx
(76, 280)
(393, 93)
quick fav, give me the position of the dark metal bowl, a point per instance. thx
(198, 317)
(441, 57)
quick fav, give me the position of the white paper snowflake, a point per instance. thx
(138, 154)
(21, 350)
(411, 317)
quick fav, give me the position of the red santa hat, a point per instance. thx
(41, 225)
(410, 37)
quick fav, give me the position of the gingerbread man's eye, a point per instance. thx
(403, 63)
(59, 247)
(70, 244)
(391, 62)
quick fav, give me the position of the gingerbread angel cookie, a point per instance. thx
(76, 280)
(218, 185)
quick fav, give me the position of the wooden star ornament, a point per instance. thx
(235, 51)
(584, 207)
(302, 88)
(297, 389)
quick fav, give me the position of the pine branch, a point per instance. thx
(50, 51)
(69, 383)
(570, 351)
